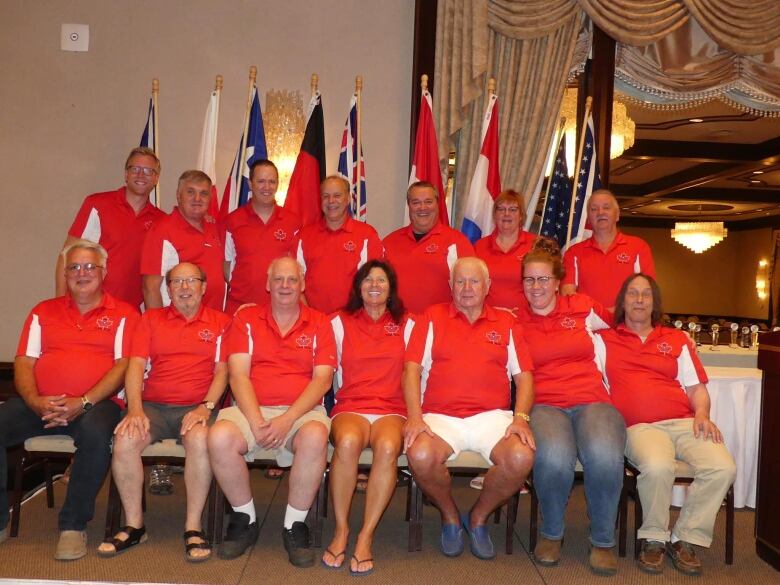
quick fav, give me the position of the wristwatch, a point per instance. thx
(208, 404)
(86, 404)
(524, 416)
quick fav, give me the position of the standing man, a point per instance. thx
(118, 221)
(71, 359)
(332, 250)
(456, 385)
(174, 400)
(255, 234)
(424, 252)
(281, 358)
(188, 234)
(598, 265)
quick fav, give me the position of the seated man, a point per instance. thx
(176, 400)
(71, 359)
(281, 358)
(658, 384)
(465, 351)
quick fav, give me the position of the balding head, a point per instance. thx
(603, 212)
(285, 282)
(470, 282)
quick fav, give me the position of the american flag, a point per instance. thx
(588, 181)
(555, 217)
(348, 167)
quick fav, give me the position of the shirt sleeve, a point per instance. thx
(415, 347)
(30, 339)
(125, 333)
(598, 318)
(152, 251)
(690, 370)
(375, 248)
(570, 270)
(140, 346)
(519, 354)
(238, 338)
(645, 260)
(325, 351)
(221, 354)
(464, 247)
(87, 222)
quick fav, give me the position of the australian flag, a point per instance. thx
(352, 166)
(587, 182)
(555, 218)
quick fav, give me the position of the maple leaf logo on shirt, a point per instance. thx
(623, 258)
(493, 337)
(148, 224)
(664, 348)
(303, 341)
(280, 235)
(568, 323)
(431, 248)
(350, 246)
(104, 323)
(206, 335)
(392, 329)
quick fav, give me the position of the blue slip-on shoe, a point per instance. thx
(451, 540)
(481, 545)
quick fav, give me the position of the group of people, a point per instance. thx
(432, 346)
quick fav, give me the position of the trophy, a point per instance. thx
(714, 331)
(734, 329)
(697, 335)
(678, 324)
(754, 336)
(692, 332)
(744, 339)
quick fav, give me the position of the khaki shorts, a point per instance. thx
(480, 432)
(284, 454)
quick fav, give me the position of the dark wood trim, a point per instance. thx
(423, 59)
(603, 72)
(701, 152)
(7, 388)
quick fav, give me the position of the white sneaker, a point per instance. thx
(477, 482)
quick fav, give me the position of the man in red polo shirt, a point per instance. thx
(188, 234)
(71, 359)
(175, 400)
(456, 385)
(424, 252)
(658, 384)
(255, 234)
(598, 265)
(118, 221)
(332, 250)
(281, 358)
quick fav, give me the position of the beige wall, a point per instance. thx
(720, 281)
(68, 119)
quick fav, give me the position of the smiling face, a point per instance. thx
(186, 288)
(334, 197)
(540, 287)
(84, 273)
(375, 288)
(285, 283)
(638, 304)
(603, 212)
(141, 174)
(193, 198)
(423, 209)
(508, 215)
(470, 285)
(263, 184)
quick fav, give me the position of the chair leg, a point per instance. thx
(49, 483)
(408, 501)
(637, 523)
(415, 517)
(319, 506)
(219, 513)
(622, 522)
(534, 519)
(511, 520)
(497, 516)
(114, 509)
(730, 526)
(211, 511)
(16, 509)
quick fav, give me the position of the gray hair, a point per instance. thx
(83, 244)
(275, 261)
(483, 267)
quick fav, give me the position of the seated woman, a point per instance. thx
(658, 384)
(572, 417)
(370, 410)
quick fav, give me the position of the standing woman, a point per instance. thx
(370, 410)
(573, 417)
(503, 250)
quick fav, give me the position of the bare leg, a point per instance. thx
(512, 461)
(426, 458)
(349, 433)
(197, 480)
(310, 446)
(227, 446)
(128, 471)
(386, 443)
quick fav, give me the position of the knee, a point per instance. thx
(223, 438)
(195, 439)
(348, 444)
(421, 457)
(657, 468)
(126, 447)
(312, 438)
(516, 461)
(723, 471)
(386, 448)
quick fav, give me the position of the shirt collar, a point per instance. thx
(348, 225)
(106, 302)
(523, 238)
(488, 313)
(619, 240)
(436, 229)
(173, 313)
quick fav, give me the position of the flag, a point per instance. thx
(148, 140)
(237, 187)
(303, 194)
(207, 154)
(587, 181)
(486, 182)
(425, 163)
(555, 217)
(348, 164)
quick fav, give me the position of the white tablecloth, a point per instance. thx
(727, 356)
(735, 395)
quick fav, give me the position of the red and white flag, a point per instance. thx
(207, 154)
(425, 163)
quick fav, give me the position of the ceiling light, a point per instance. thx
(699, 236)
(758, 172)
(656, 201)
(695, 120)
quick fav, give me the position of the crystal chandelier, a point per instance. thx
(284, 126)
(699, 236)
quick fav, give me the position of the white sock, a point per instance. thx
(293, 515)
(674, 538)
(248, 509)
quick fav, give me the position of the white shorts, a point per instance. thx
(479, 433)
(284, 454)
(371, 418)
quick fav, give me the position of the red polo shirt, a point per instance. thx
(182, 353)
(173, 240)
(566, 371)
(107, 219)
(506, 268)
(600, 274)
(282, 366)
(331, 259)
(647, 379)
(251, 244)
(466, 367)
(371, 361)
(423, 267)
(74, 351)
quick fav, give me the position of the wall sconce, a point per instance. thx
(762, 279)
(284, 126)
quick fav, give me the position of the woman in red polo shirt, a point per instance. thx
(370, 410)
(503, 250)
(572, 417)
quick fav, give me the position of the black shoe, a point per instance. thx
(240, 536)
(296, 543)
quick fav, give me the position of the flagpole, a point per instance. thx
(315, 81)
(556, 142)
(245, 137)
(358, 93)
(155, 121)
(577, 164)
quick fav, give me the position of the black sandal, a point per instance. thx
(134, 536)
(190, 546)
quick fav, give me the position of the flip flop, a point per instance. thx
(336, 557)
(134, 536)
(360, 562)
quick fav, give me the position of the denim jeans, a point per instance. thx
(596, 435)
(91, 432)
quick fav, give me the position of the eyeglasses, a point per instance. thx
(89, 268)
(145, 171)
(178, 282)
(507, 210)
(540, 280)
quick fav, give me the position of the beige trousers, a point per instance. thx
(652, 449)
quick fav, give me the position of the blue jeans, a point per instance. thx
(91, 432)
(596, 435)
